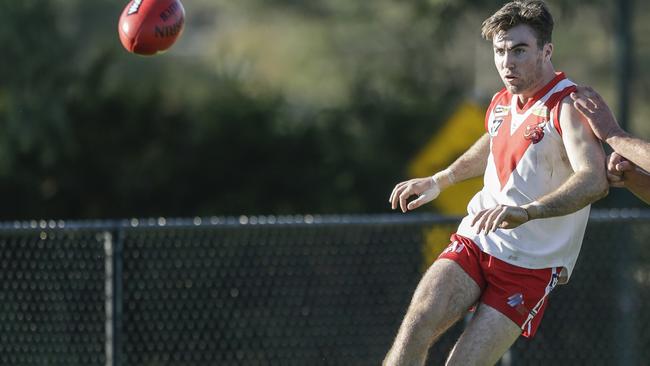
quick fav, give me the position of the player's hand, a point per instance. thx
(426, 189)
(601, 119)
(499, 217)
(617, 166)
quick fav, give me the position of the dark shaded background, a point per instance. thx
(262, 107)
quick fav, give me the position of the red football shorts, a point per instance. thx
(518, 293)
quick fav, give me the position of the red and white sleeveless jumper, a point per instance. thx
(527, 160)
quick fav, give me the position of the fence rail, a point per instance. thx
(284, 290)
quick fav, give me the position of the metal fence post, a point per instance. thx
(107, 239)
(113, 243)
(118, 262)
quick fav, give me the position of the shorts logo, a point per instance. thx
(517, 301)
(455, 247)
(555, 278)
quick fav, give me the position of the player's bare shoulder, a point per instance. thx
(572, 121)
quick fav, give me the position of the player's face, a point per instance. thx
(519, 60)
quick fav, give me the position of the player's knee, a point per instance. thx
(425, 315)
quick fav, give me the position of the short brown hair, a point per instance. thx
(532, 13)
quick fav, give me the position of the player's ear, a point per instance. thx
(548, 51)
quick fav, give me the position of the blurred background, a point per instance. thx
(270, 107)
(277, 129)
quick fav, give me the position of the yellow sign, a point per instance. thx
(458, 133)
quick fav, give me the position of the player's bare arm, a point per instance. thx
(587, 184)
(469, 165)
(606, 128)
(623, 173)
(586, 156)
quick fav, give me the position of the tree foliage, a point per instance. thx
(264, 107)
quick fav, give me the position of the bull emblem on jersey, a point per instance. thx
(535, 132)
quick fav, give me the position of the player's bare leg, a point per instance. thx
(486, 338)
(443, 296)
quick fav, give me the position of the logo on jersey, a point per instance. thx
(501, 110)
(541, 111)
(535, 132)
(494, 127)
(517, 301)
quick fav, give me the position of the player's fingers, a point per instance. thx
(477, 217)
(495, 220)
(581, 106)
(579, 93)
(624, 166)
(404, 196)
(615, 157)
(396, 194)
(584, 98)
(483, 221)
(613, 172)
(502, 221)
(418, 202)
(611, 167)
(393, 193)
(614, 178)
(586, 91)
(592, 104)
(424, 197)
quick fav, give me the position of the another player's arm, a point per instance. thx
(632, 148)
(602, 120)
(469, 165)
(637, 181)
(588, 183)
(624, 174)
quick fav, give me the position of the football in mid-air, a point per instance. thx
(147, 27)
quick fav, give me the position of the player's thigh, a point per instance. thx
(445, 289)
(486, 338)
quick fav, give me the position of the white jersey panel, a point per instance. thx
(539, 165)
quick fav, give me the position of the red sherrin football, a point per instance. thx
(147, 27)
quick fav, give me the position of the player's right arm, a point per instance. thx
(469, 165)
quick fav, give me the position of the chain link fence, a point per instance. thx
(298, 290)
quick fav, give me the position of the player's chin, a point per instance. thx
(513, 89)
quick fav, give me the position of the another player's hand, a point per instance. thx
(601, 119)
(424, 188)
(617, 166)
(499, 217)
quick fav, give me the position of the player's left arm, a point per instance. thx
(588, 183)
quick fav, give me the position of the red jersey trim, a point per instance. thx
(559, 76)
(495, 99)
(508, 149)
(554, 103)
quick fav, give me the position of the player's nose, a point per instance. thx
(507, 61)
